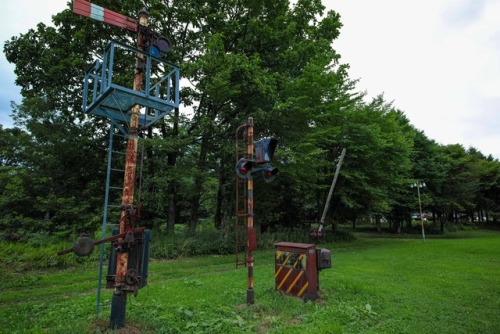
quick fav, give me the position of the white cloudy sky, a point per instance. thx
(439, 61)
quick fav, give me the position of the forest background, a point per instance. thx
(263, 59)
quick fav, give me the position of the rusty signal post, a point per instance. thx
(127, 271)
(246, 168)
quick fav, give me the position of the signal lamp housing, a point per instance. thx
(244, 168)
(265, 149)
(269, 173)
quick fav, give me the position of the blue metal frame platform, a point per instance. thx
(103, 97)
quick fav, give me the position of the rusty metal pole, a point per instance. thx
(250, 229)
(119, 299)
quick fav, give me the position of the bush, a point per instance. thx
(215, 242)
(178, 245)
(343, 235)
(39, 251)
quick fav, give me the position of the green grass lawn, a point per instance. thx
(376, 285)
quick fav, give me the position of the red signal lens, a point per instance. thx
(244, 168)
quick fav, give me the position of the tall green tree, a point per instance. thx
(378, 162)
(487, 197)
(249, 55)
(67, 148)
(461, 184)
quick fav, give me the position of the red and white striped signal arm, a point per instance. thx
(99, 13)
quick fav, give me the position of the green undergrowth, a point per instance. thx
(376, 285)
(210, 242)
(39, 251)
(21, 257)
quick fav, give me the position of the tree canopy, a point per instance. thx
(272, 60)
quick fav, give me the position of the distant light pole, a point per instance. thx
(420, 184)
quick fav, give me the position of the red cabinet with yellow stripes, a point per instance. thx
(297, 266)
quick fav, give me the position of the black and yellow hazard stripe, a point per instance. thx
(292, 271)
(278, 255)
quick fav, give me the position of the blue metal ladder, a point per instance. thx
(110, 204)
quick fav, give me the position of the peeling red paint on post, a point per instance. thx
(125, 280)
(250, 291)
(128, 192)
(126, 223)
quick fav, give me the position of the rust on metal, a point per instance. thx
(250, 230)
(241, 195)
(252, 239)
(296, 271)
(81, 241)
(126, 224)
